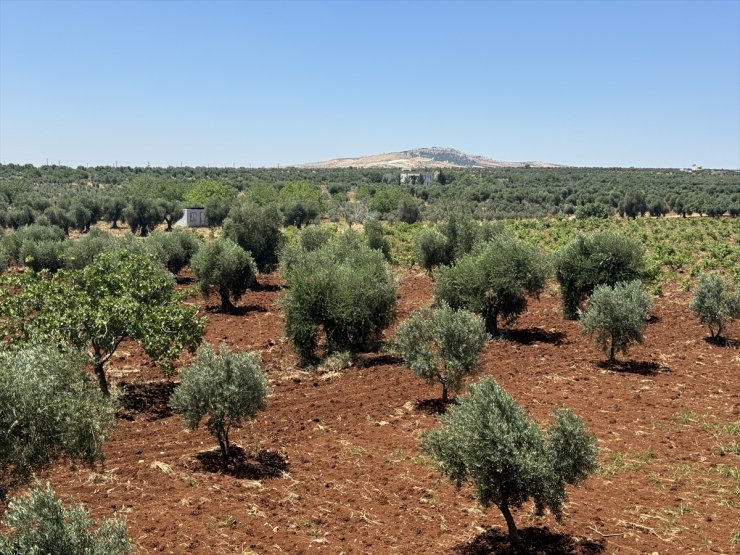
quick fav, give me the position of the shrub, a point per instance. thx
(43, 255)
(442, 345)
(344, 288)
(314, 237)
(227, 387)
(175, 249)
(489, 441)
(588, 261)
(224, 266)
(12, 242)
(715, 303)
(408, 211)
(49, 408)
(375, 237)
(256, 230)
(617, 316)
(430, 249)
(81, 252)
(494, 280)
(216, 210)
(40, 524)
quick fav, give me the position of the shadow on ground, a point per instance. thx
(534, 335)
(150, 399)
(434, 406)
(646, 368)
(535, 541)
(243, 465)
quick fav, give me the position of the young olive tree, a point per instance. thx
(120, 295)
(175, 249)
(588, 261)
(345, 289)
(38, 523)
(227, 387)
(715, 303)
(223, 265)
(489, 441)
(494, 280)
(49, 409)
(442, 345)
(617, 316)
(430, 249)
(257, 230)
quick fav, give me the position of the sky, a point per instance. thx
(587, 83)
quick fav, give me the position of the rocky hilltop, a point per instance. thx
(430, 157)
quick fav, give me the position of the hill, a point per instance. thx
(430, 157)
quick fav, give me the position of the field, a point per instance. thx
(333, 465)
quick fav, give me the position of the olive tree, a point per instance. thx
(345, 289)
(588, 261)
(487, 440)
(39, 523)
(224, 266)
(617, 316)
(257, 230)
(494, 280)
(430, 249)
(120, 295)
(227, 388)
(49, 409)
(442, 345)
(715, 303)
(175, 249)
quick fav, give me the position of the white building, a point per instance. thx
(192, 217)
(424, 178)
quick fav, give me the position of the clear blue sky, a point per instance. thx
(590, 83)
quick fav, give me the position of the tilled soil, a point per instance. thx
(333, 465)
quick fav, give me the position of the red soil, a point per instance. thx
(333, 465)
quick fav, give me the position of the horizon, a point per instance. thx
(279, 84)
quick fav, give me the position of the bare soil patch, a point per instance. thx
(333, 465)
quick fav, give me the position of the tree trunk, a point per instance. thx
(100, 373)
(513, 534)
(612, 360)
(226, 305)
(223, 442)
(444, 394)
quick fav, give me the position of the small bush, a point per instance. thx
(375, 237)
(442, 345)
(585, 262)
(81, 252)
(43, 255)
(344, 288)
(174, 249)
(489, 441)
(227, 387)
(617, 316)
(40, 524)
(430, 249)
(313, 237)
(49, 408)
(12, 242)
(494, 280)
(257, 231)
(715, 303)
(224, 266)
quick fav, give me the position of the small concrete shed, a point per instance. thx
(192, 217)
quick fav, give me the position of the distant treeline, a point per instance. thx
(76, 198)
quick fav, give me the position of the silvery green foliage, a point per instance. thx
(488, 441)
(494, 280)
(227, 388)
(345, 289)
(39, 525)
(225, 267)
(49, 408)
(617, 316)
(442, 345)
(587, 261)
(430, 249)
(173, 249)
(715, 303)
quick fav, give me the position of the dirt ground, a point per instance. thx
(333, 465)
